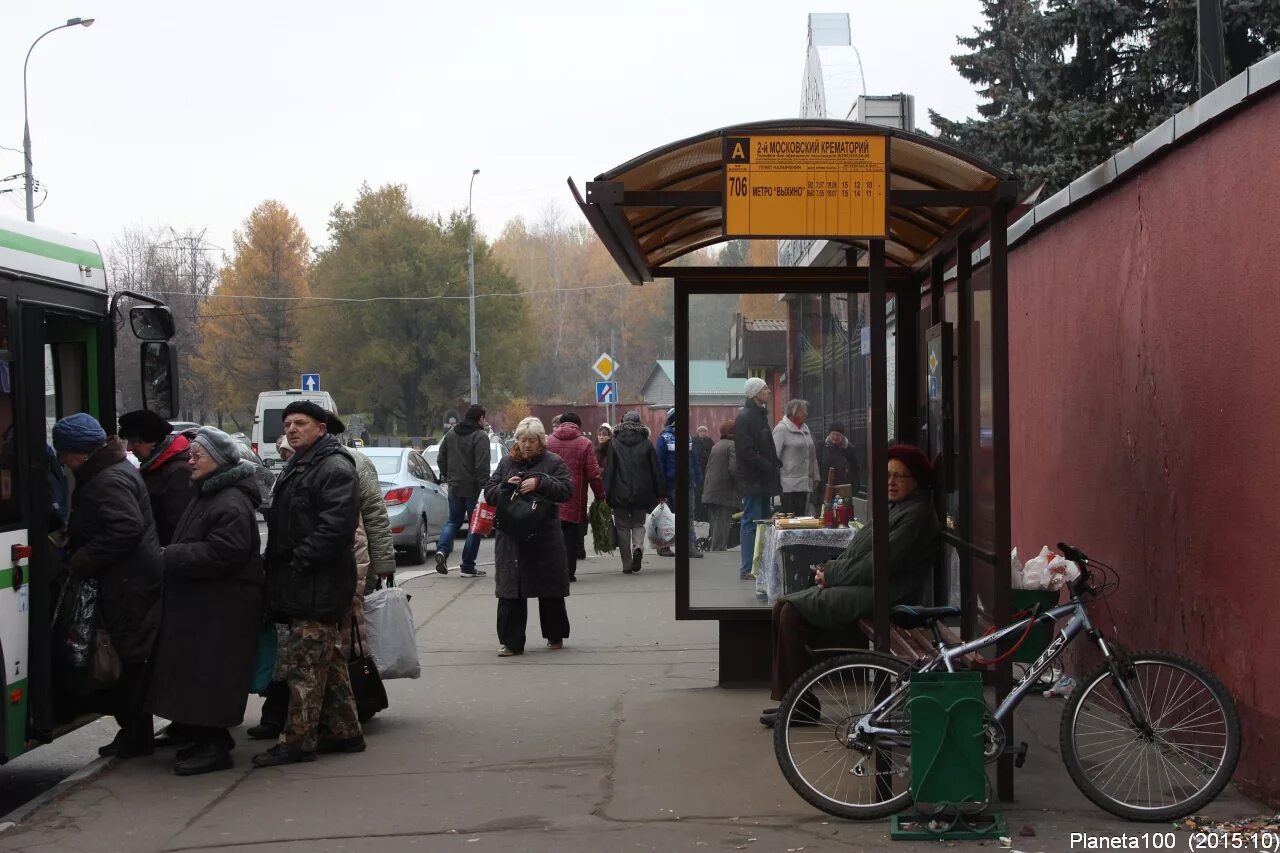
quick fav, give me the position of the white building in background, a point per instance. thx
(835, 88)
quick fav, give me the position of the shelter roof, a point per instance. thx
(664, 204)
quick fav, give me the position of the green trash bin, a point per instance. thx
(1042, 633)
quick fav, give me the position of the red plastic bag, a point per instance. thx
(482, 519)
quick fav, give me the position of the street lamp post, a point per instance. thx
(471, 291)
(26, 124)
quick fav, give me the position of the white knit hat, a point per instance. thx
(754, 386)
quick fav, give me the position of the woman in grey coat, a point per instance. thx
(535, 568)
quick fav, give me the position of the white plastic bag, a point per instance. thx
(1015, 570)
(661, 526)
(392, 642)
(1048, 570)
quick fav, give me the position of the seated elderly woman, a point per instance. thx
(843, 593)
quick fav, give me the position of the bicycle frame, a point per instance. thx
(947, 655)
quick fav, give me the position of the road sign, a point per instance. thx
(606, 392)
(311, 382)
(806, 186)
(604, 366)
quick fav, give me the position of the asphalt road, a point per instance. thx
(30, 775)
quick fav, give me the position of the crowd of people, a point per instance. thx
(182, 586)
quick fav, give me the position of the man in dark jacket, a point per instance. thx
(112, 540)
(633, 486)
(311, 581)
(165, 467)
(759, 470)
(836, 452)
(666, 449)
(464, 465)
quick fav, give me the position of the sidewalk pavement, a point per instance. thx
(621, 741)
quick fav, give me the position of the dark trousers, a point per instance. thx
(791, 633)
(572, 541)
(795, 503)
(126, 699)
(721, 523)
(513, 616)
(220, 738)
(275, 710)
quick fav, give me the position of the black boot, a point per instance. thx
(205, 758)
(636, 557)
(329, 746)
(281, 754)
(263, 731)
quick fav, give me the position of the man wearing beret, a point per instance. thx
(164, 464)
(311, 581)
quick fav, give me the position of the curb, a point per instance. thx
(85, 774)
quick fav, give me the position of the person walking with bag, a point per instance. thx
(719, 492)
(311, 581)
(530, 546)
(112, 542)
(464, 466)
(212, 612)
(578, 453)
(633, 486)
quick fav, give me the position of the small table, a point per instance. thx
(769, 571)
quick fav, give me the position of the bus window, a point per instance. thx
(66, 383)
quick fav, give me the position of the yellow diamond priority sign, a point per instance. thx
(604, 366)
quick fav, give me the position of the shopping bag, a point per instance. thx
(481, 519)
(392, 642)
(105, 667)
(75, 619)
(366, 684)
(661, 526)
(265, 664)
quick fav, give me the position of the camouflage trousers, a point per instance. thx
(319, 686)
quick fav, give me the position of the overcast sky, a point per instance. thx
(186, 114)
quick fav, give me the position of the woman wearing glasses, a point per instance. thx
(212, 606)
(843, 592)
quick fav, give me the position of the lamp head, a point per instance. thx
(84, 22)
(475, 171)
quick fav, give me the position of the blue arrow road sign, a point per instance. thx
(311, 382)
(606, 392)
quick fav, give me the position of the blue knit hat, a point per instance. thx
(78, 433)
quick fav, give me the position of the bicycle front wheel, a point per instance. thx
(1168, 769)
(814, 742)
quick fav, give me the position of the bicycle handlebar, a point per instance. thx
(1081, 559)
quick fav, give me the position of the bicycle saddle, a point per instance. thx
(912, 616)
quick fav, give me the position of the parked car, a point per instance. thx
(262, 475)
(496, 451)
(417, 504)
(432, 455)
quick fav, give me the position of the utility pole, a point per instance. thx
(473, 356)
(613, 407)
(1211, 64)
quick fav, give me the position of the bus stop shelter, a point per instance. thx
(922, 229)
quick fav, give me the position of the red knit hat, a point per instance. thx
(915, 460)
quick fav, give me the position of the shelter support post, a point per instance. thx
(878, 456)
(1003, 533)
(966, 344)
(937, 314)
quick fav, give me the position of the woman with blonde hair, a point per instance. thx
(531, 563)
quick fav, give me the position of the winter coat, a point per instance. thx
(840, 458)
(537, 568)
(213, 596)
(113, 538)
(719, 488)
(311, 528)
(602, 454)
(377, 525)
(355, 621)
(759, 470)
(848, 595)
(798, 456)
(167, 474)
(578, 453)
(701, 447)
(632, 476)
(666, 450)
(464, 460)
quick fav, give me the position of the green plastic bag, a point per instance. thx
(603, 537)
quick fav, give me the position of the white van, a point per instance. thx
(268, 418)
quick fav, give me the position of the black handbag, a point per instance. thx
(366, 684)
(523, 517)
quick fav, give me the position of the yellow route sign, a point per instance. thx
(806, 186)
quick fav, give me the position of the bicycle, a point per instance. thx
(1147, 736)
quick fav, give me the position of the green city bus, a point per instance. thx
(58, 333)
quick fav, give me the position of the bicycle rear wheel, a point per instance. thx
(1183, 761)
(811, 738)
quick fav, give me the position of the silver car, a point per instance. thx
(417, 504)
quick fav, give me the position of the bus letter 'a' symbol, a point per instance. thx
(737, 149)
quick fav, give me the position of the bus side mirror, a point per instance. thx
(151, 322)
(160, 378)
